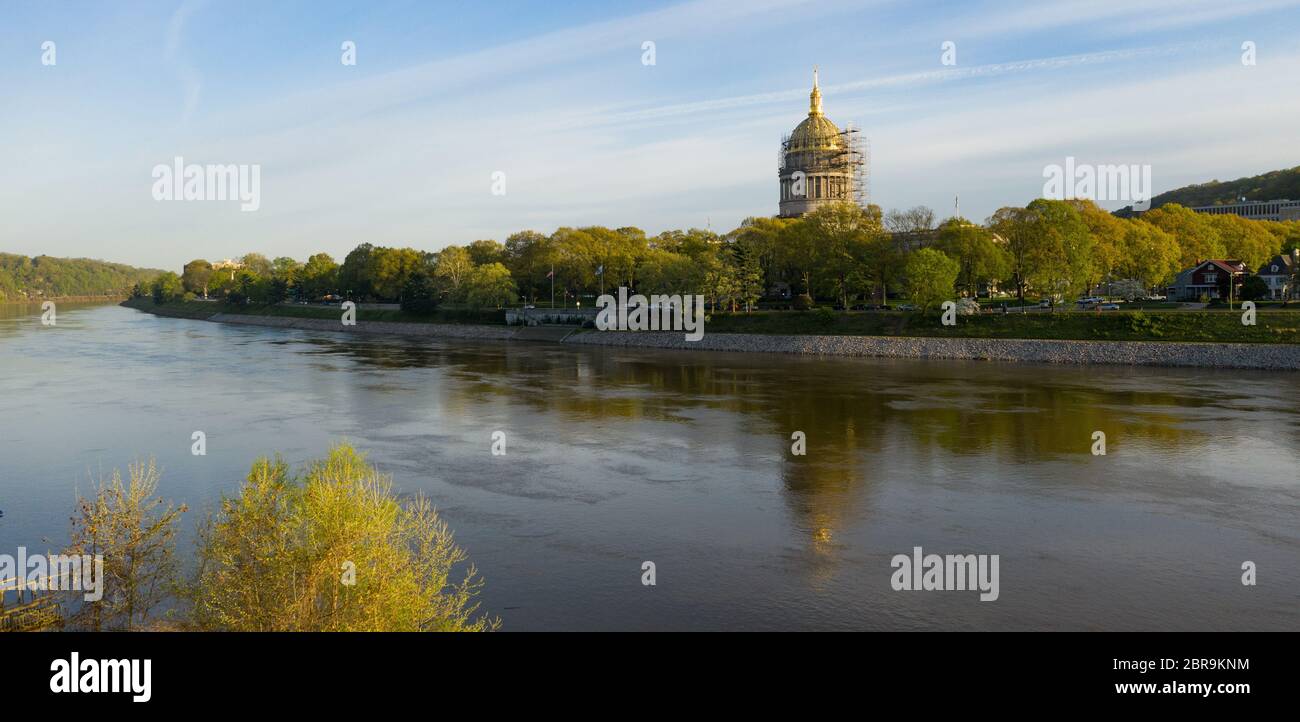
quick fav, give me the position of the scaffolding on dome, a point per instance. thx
(856, 154)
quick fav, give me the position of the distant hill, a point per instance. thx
(23, 278)
(1265, 187)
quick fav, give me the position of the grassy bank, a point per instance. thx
(1152, 325)
(207, 309)
(1220, 327)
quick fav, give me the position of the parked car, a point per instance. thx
(1108, 307)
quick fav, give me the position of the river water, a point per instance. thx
(618, 457)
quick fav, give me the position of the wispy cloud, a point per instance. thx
(191, 81)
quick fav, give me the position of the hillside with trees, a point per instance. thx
(1270, 186)
(841, 255)
(23, 278)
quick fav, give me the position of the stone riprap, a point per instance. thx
(1280, 357)
(1127, 353)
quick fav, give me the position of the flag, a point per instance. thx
(551, 274)
(600, 270)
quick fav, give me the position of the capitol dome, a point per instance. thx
(818, 162)
(816, 132)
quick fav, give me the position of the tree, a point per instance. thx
(668, 273)
(390, 269)
(529, 256)
(931, 276)
(421, 293)
(1254, 288)
(1060, 247)
(257, 264)
(1197, 236)
(758, 239)
(277, 290)
(1148, 254)
(319, 276)
(1243, 239)
(286, 269)
(330, 550)
(981, 258)
(912, 220)
(490, 285)
(196, 275)
(354, 274)
(841, 234)
(484, 252)
(135, 533)
(1012, 225)
(167, 287)
(452, 270)
(1107, 233)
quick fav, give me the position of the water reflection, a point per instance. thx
(619, 456)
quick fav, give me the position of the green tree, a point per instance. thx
(1107, 233)
(452, 270)
(931, 277)
(196, 275)
(484, 252)
(1197, 236)
(135, 533)
(257, 264)
(1148, 255)
(421, 293)
(354, 275)
(982, 259)
(530, 257)
(1254, 288)
(1246, 240)
(841, 235)
(167, 287)
(668, 273)
(286, 269)
(319, 276)
(490, 285)
(330, 550)
(390, 269)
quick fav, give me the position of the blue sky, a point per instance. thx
(400, 148)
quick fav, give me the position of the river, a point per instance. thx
(617, 457)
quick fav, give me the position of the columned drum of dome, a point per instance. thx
(818, 162)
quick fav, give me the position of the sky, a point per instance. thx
(401, 148)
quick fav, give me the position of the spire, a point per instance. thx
(815, 99)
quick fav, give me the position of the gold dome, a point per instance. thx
(816, 132)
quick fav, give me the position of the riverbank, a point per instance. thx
(1263, 356)
(59, 299)
(1272, 357)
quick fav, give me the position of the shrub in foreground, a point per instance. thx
(330, 550)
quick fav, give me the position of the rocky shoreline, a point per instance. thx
(1279, 357)
(1273, 357)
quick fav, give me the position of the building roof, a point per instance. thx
(1231, 265)
(1284, 263)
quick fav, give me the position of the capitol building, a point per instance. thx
(819, 163)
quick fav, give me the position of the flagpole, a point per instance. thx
(552, 286)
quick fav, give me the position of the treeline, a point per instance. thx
(1263, 187)
(330, 548)
(841, 253)
(24, 278)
